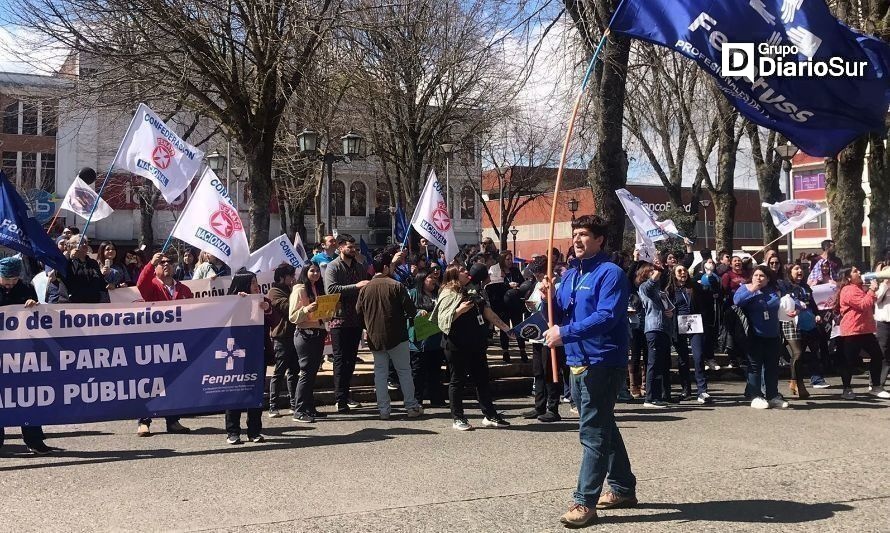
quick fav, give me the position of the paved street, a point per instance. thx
(822, 466)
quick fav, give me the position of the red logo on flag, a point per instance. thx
(440, 217)
(163, 153)
(225, 222)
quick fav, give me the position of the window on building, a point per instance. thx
(29, 118)
(309, 206)
(48, 172)
(467, 203)
(28, 177)
(10, 165)
(820, 222)
(358, 199)
(11, 118)
(338, 198)
(49, 118)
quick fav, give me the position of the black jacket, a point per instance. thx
(20, 293)
(85, 282)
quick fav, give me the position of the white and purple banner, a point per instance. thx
(792, 214)
(68, 364)
(644, 220)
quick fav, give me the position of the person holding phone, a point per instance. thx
(658, 325)
(116, 274)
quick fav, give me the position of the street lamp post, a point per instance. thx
(448, 148)
(573, 206)
(392, 229)
(307, 142)
(705, 204)
(514, 232)
(787, 153)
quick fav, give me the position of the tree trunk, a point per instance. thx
(879, 203)
(724, 193)
(259, 166)
(846, 199)
(608, 169)
(148, 199)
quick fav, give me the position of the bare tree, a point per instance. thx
(237, 62)
(428, 72)
(524, 153)
(768, 166)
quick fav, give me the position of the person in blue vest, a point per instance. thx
(590, 311)
(14, 291)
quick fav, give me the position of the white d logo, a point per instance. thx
(737, 59)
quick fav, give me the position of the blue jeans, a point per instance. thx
(604, 455)
(401, 360)
(697, 340)
(763, 362)
(658, 366)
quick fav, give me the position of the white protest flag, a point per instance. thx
(646, 247)
(210, 222)
(152, 150)
(278, 251)
(80, 200)
(792, 214)
(431, 218)
(300, 248)
(644, 220)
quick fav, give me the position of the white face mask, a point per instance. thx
(709, 267)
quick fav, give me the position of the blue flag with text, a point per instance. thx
(401, 225)
(787, 65)
(68, 364)
(21, 232)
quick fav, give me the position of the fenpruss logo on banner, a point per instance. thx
(230, 353)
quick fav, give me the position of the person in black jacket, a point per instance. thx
(14, 291)
(689, 298)
(85, 282)
(512, 308)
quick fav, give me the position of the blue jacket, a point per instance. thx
(761, 308)
(594, 330)
(653, 306)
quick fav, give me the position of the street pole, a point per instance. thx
(329, 168)
(514, 246)
(448, 183)
(786, 166)
(706, 228)
(228, 166)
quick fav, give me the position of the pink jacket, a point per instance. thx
(857, 311)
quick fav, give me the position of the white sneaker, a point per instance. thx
(879, 392)
(704, 398)
(759, 403)
(848, 394)
(779, 403)
(712, 364)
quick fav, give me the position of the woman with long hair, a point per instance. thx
(134, 263)
(115, 272)
(759, 300)
(802, 331)
(658, 317)
(427, 355)
(244, 282)
(856, 306)
(690, 299)
(464, 314)
(710, 284)
(308, 340)
(186, 267)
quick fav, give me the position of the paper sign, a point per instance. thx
(424, 328)
(825, 295)
(327, 306)
(687, 324)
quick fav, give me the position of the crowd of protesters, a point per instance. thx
(679, 309)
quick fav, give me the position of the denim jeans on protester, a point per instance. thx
(309, 345)
(697, 340)
(658, 366)
(254, 422)
(285, 371)
(763, 367)
(604, 455)
(401, 360)
(344, 341)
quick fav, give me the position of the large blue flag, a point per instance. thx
(363, 248)
(821, 115)
(401, 225)
(21, 232)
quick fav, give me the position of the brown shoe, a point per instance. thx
(143, 431)
(578, 516)
(610, 500)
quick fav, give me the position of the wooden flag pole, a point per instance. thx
(562, 164)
